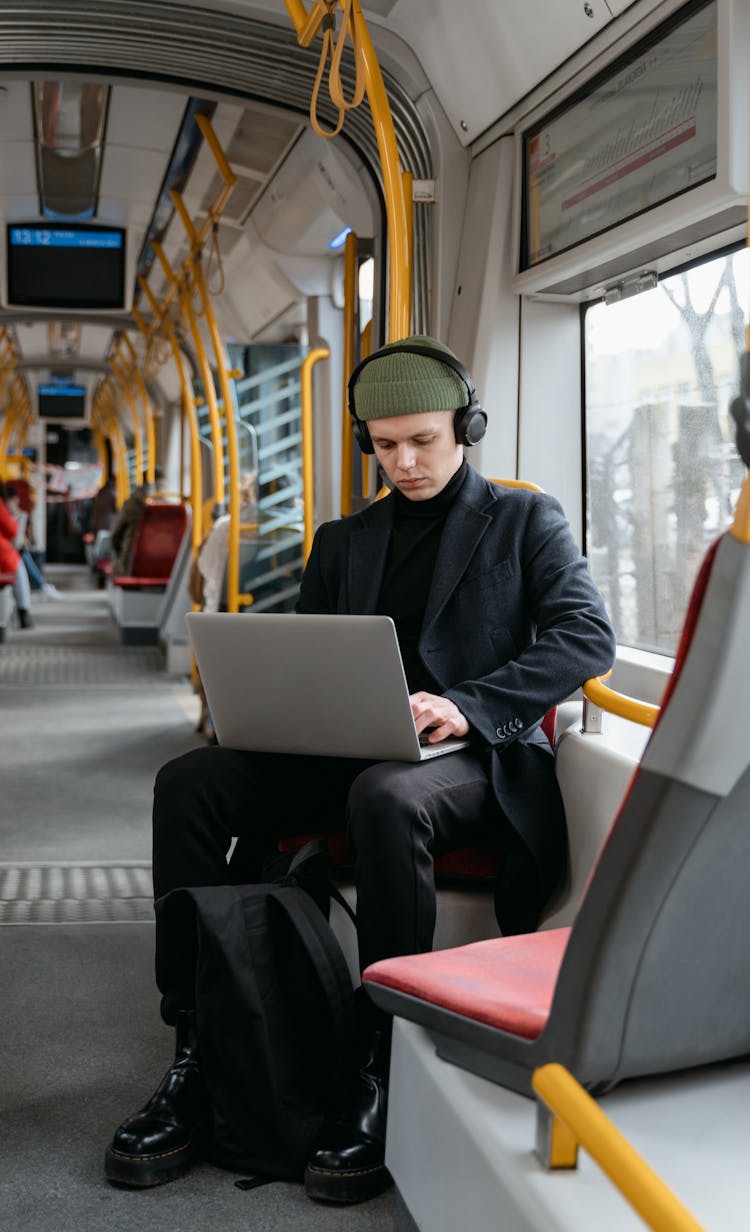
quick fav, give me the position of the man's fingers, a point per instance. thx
(439, 713)
(440, 733)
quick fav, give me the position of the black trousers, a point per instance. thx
(397, 815)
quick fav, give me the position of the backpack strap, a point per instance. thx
(338, 897)
(316, 848)
(328, 962)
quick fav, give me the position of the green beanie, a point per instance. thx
(405, 384)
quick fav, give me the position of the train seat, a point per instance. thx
(654, 974)
(137, 597)
(6, 602)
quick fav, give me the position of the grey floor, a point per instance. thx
(84, 725)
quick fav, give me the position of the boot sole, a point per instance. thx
(144, 1172)
(346, 1188)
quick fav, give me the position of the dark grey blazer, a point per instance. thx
(513, 625)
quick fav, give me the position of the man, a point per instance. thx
(498, 620)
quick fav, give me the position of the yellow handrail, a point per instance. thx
(307, 445)
(365, 349)
(234, 598)
(122, 379)
(518, 483)
(740, 528)
(582, 1118)
(600, 694)
(350, 327)
(188, 403)
(209, 388)
(148, 415)
(110, 424)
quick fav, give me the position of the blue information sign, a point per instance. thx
(58, 237)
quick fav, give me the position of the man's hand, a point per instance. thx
(438, 713)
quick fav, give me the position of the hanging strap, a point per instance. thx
(335, 48)
(348, 26)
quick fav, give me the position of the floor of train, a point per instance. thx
(85, 725)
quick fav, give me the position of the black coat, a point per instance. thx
(513, 625)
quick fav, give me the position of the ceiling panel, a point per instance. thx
(18, 172)
(15, 112)
(506, 57)
(33, 341)
(144, 118)
(132, 175)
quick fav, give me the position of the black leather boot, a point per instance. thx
(159, 1142)
(348, 1162)
(24, 618)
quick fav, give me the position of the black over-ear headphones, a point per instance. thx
(470, 421)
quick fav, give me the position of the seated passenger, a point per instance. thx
(37, 580)
(103, 507)
(207, 576)
(10, 559)
(212, 558)
(122, 533)
(498, 620)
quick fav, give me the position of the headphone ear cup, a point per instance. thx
(470, 424)
(362, 435)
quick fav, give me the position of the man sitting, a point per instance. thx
(498, 620)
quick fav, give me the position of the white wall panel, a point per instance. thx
(550, 404)
(484, 322)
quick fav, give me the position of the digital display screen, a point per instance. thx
(62, 402)
(66, 267)
(641, 134)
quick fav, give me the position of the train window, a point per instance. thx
(662, 470)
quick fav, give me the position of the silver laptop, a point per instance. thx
(332, 686)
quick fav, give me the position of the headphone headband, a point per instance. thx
(470, 420)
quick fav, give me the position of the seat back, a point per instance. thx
(159, 534)
(656, 974)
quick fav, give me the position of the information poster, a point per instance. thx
(642, 136)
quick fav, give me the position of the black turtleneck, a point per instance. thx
(410, 563)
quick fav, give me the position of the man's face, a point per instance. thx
(419, 453)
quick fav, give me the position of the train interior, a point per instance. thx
(178, 142)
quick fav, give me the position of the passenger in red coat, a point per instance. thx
(10, 562)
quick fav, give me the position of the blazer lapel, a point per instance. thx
(464, 528)
(368, 548)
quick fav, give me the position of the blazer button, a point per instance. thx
(501, 733)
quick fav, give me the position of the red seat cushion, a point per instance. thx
(506, 983)
(140, 583)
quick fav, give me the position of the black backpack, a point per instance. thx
(275, 1012)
